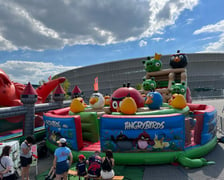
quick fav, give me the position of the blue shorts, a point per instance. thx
(62, 167)
(25, 161)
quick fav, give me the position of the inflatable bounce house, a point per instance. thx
(140, 129)
(10, 96)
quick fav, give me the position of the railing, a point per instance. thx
(7, 112)
(220, 124)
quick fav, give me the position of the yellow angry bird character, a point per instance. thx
(128, 106)
(77, 105)
(178, 101)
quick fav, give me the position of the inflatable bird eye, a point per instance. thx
(115, 104)
(157, 64)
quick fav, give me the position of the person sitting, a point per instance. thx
(107, 171)
(94, 162)
(81, 166)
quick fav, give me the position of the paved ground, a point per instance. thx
(167, 172)
(43, 165)
(170, 172)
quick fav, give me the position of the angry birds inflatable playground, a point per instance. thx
(155, 125)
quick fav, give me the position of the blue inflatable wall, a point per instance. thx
(142, 133)
(64, 126)
(209, 126)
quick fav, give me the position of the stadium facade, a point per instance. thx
(205, 74)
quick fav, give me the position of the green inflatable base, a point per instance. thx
(190, 158)
(39, 134)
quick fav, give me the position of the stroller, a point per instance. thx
(51, 174)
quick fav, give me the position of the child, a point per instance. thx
(81, 166)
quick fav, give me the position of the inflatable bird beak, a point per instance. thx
(93, 100)
(177, 59)
(118, 109)
(148, 100)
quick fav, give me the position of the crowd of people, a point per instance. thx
(96, 166)
(93, 167)
(7, 171)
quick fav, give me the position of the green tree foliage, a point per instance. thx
(65, 85)
(41, 82)
(138, 86)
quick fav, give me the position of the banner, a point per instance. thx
(34, 155)
(96, 87)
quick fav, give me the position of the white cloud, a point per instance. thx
(211, 28)
(6, 45)
(142, 43)
(165, 13)
(189, 21)
(170, 39)
(27, 71)
(217, 46)
(206, 38)
(40, 25)
(157, 39)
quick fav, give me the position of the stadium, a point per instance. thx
(204, 75)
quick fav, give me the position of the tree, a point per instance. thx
(41, 82)
(138, 86)
(65, 85)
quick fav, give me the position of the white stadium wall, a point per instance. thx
(205, 74)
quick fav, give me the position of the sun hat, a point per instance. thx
(81, 156)
(62, 140)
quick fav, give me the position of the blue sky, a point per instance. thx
(43, 38)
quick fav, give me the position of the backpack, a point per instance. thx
(94, 166)
(107, 165)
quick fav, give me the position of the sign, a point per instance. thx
(34, 155)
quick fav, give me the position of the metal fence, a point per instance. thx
(220, 124)
(6, 112)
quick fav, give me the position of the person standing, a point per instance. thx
(7, 171)
(94, 162)
(26, 156)
(60, 162)
(107, 171)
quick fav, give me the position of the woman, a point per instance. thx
(61, 156)
(107, 171)
(26, 156)
(7, 171)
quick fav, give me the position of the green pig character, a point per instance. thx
(153, 64)
(149, 84)
(178, 88)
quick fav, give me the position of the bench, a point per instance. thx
(74, 173)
